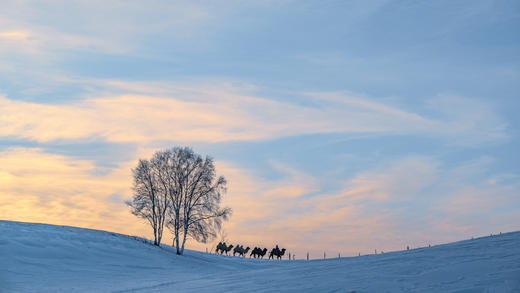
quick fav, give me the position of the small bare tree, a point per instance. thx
(149, 202)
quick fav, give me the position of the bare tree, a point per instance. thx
(179, 188)
(149, 201)
(195, 197)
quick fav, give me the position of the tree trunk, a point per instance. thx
(159, 231)
(177, 235)
(154, 221)
(184, 239)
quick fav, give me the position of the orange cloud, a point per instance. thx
(402, 179)
(204, 113)
(40, 187)
(15, 35)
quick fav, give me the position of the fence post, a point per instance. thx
(324, 256)
(307, 256)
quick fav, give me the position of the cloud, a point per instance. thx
(474, 198)
(117, 24)
(38, 42)
(401, 180)
(122, 28)
(413, 201)
(40, 187)
(464, 121)
(292, 212)
(15, 35)
(477, 121)
(147, 112)
(42, 45)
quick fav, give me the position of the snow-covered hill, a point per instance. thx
(47, 258)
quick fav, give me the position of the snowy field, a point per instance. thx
(47, 258)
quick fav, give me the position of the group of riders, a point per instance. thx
(257, 252)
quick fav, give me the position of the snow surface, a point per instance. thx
(48, 258)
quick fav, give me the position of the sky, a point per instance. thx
(341, 126)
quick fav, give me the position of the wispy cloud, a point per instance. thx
(401, 180)
(15, 35)
(413, 200)
(122, 28)
(217, 113)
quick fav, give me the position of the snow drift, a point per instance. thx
(48, 258)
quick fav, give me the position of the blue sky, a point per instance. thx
(387, 122)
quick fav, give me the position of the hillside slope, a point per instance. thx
(47, 258)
